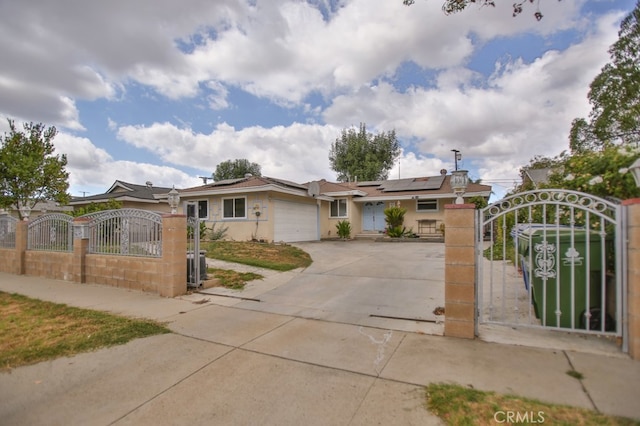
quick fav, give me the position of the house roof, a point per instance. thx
(246, 183)
(420, 187)
(125, 191)
(393, 189)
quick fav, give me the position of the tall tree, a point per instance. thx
(614, 94)
(362, 155)
(233, 169)
(29, 170)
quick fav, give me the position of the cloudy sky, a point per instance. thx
(163, 91)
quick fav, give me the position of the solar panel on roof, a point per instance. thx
(228, 181)
(420, 184)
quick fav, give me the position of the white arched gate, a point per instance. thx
(552, 259)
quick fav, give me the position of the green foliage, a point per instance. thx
(29, 170)
(479, 201)
(344, 229)
(96, 207)
(614, 94)
(235, 169)
(602, 173)
(400, 232)
(362, 155)
(202, 230)
(217, 234)
(394, 216)
(454, 6)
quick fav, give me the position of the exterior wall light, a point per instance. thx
(635, 171)
(459, 182)
(174, 200)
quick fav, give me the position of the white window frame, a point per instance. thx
(233, 200)
(196, 204)
(427, 201)
(346, 208)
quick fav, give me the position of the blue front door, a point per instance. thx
(373, 217)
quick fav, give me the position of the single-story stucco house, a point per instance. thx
(269, 209)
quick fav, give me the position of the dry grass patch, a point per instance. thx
(232, 279)
(32, 331)
(459, 405)
(279, 257)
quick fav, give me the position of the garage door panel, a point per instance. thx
(295, 221)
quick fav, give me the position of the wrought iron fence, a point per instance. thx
(8, 225)
(125, 232)
(51, 232)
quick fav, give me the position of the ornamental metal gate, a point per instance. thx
(552, 259)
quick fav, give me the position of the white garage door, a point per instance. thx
(295, 222)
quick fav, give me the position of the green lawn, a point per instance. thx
(279, 257)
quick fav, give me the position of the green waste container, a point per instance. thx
(554, 260)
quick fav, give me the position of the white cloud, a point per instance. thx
(523, 110)
(93, 170)
(298, 152)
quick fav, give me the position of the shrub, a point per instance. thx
(394, 216)
(344, 229)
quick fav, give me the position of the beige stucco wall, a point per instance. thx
(412, 217)
(252, 227)
(160, 207)
(328, 224)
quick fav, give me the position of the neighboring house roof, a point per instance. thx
(125, 191)
(537, 176)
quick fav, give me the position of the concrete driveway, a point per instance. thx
(389, 285)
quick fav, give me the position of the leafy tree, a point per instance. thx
(233, 169)
(603, 173)
(97, 207)
(29, 171)
(454, 6)
(362, 155)
(614, 94)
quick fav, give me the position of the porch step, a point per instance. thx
(424, 238)
(368, 236)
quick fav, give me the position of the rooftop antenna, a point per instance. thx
(456, 157)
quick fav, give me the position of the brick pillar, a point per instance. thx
(633, 276)
(174, 256)
(460, 271)
(80, 247)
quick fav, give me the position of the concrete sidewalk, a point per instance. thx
(226, 365)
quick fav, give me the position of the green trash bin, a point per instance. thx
(553, 261)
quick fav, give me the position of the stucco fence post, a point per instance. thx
(80, 248)
(460, 271)
(174, 256)
(633, 275)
